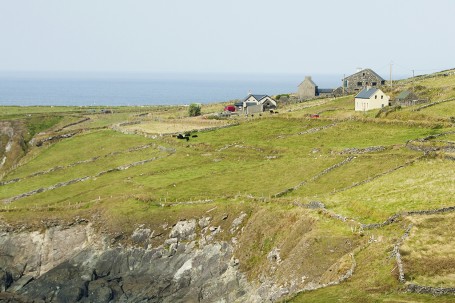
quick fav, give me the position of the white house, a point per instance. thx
(264, 102)
(370, 98)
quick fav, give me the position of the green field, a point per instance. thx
(358, 165)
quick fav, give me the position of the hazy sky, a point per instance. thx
(233, 36)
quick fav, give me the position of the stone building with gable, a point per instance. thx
(362, 79)
(308, 90)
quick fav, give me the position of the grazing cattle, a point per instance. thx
(185, 136)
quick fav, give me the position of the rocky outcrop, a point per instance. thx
(123, 274)
(12, 144)
(74, 264)
(193, 261)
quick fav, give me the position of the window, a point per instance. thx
(359, 83)
(382, 96)
(374, 83)
(382, 105)
(363, 74)
(375, 96)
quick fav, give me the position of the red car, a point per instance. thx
(230, 108)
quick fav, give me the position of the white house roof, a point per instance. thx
(366, 93)
(257, 97)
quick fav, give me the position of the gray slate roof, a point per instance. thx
(365, 70)
(405, 94)
(325, 90)
(366, 93)
(257, 97)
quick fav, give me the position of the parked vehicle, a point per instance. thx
(230, 108)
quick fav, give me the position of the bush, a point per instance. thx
(194, 110)
(278, 97)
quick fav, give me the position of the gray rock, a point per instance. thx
(141, 235)
(183, 230)
(18, 284)
(237, 221)
(99, 273)
(69, 294)
(6, 279)
(204, 222)
(100, 292)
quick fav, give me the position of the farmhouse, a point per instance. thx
(308, 89)
(256, 104)
(370, 98)
(362, 79)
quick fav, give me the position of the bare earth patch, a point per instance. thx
(170, 126)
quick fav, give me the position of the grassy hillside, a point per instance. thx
(122, 170)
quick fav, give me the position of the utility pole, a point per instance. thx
(391, 63)
(342, 82)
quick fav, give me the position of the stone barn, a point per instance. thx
(307, 89)
(408, 98)
(362, 79)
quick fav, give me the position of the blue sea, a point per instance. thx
(88, 89)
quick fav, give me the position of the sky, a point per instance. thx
(235, 36)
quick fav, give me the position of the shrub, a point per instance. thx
(194, 110)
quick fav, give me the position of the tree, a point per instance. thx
(194, 110)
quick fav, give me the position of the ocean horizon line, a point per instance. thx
(78, 89)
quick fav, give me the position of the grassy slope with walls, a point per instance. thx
(241, 168)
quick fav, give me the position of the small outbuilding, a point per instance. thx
(408, 98)
(371, 98)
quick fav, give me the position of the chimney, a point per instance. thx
(308, 78)
(359, 69)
